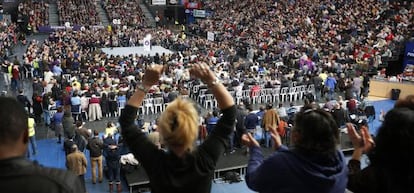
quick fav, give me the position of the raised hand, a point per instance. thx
(277, 140)
(249, 140)
(203, 72)
(363, 141)
(152, 75)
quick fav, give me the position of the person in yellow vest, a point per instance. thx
(31, 127)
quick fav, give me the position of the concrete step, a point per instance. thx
(149, 18)
(53, 14)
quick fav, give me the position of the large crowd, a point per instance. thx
(325, 47)
(128, 12)
(82, 12)
(37, 13)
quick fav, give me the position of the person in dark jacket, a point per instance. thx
(313, 165)
(95, 147)
(37, 107)
(24, 100)
(391, 155)
(68, 124)
(240, 128)
(112, 158)
(18, 174)
(182, 168)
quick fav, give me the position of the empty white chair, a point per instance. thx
(209, 101)
(283, 93)
(121, 105)
(158, 104)
(148, 105)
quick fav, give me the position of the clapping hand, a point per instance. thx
(249, 141)
(277, 140)
(152, 75)
(203, 72)
(363, 141)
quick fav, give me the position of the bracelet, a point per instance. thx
(141, 87)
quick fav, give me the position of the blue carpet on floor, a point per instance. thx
(379, 105)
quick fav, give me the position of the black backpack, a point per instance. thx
(232, 177)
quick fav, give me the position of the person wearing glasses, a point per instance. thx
(183, 167)
(313, 164)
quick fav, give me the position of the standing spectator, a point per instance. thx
(357, 86)
(17, 173)
(330, 84)
(76, 162)
(240, 127)
(37, 108)
(46, 110)
(114, 167)
(181, 169)
(340, 115)
(32, 138)
(365, 84)
(95, 111)
(67, 123)
(391, 160)
(104, 105)
(75, 102)
(315, 162)
(251, 121)
(57, 124)
(212, 121)
(282, 112)
(15, 78)
(24, 100)
(95, 147)
(270, 122)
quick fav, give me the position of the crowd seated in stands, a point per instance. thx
(331, 33)
(128, 12)
(78, 12)
(37, 13)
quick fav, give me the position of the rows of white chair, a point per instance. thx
(261, 96)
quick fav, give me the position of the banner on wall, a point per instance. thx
(199, 13)
(409, 54)
(159, 2)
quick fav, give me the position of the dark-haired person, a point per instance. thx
(270, 121)
(17, 174)
(312, 165)
(391, 167)
(183, 167)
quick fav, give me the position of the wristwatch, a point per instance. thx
(142, 88)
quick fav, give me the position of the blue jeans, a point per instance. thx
(113, 174)
(267, 138)
(14, 84)
(46, 117)
(33, 144)
(32, 141)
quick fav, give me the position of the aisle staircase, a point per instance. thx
(53, 14)
(102, 13)
(149, 18)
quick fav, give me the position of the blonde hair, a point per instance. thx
(178, 124)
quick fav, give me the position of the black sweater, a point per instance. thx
(166, 171)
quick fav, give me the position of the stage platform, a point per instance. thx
(125, 51)
(236, 161)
